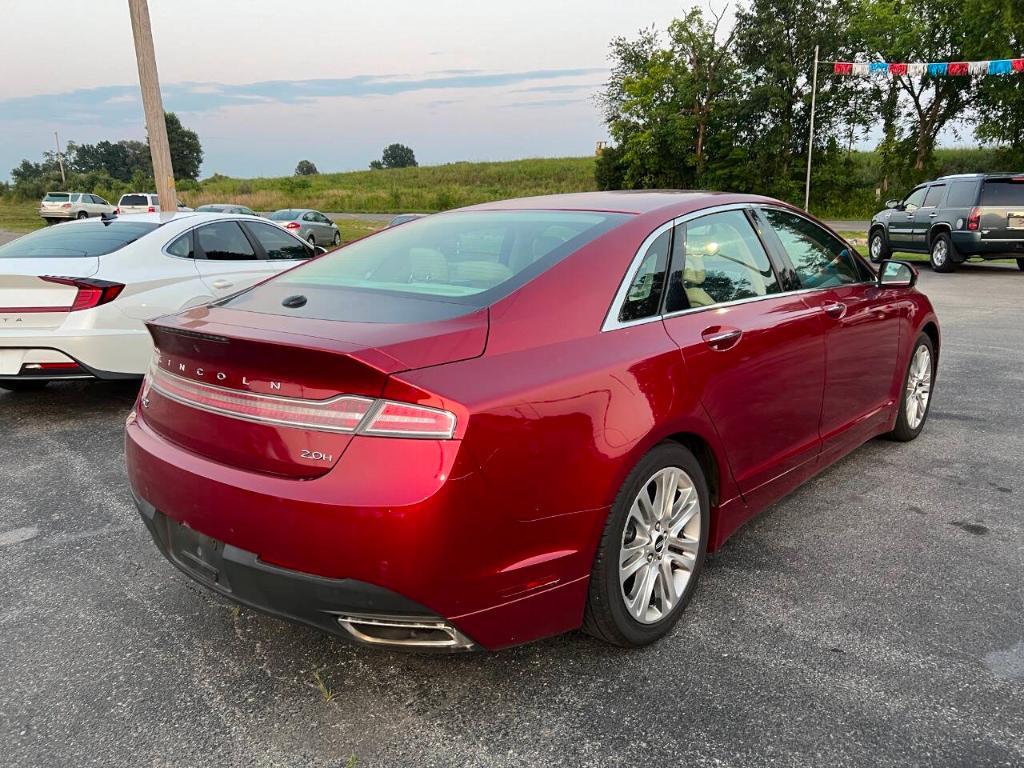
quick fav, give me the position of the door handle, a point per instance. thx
(222, 284)
(932, 215)
(835, 309)
(721, 339)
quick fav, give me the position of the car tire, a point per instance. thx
(311, 240)
(337, 239)
(942, 254)
(1020, 264)
(660, 557)
(22, 386)
(878, 248)
(918, 377)
(82, 215)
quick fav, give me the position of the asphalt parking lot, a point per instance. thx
(874, 617)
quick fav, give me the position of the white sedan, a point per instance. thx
(74, 299)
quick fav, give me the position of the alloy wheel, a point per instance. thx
(939, 252)
(876, 248)
(919, 386)
(660, 544)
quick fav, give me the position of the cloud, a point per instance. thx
(118, 103)
(547, 103)
(567, 88)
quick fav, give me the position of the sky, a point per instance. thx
(266, 83)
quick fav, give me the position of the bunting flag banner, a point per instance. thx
(932, 69)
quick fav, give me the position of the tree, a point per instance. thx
(376, 165)
(775, 42)
(664, 105)
(186, 151)
(120, 160)
(398, 156)
(895, 30)
(997, 31)
(306, 168)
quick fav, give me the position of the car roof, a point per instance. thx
(999, 175)
(623, 201)
(198, 217)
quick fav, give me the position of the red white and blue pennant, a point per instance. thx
(933, 69)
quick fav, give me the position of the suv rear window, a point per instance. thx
(80, 240)
(56, 197)
(135, 200)
(1003, 193)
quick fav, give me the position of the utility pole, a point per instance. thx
(60, 161)
(810, 138)
(152, 103)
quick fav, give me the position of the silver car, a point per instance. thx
(312, 226)
(62, 206)
(226, 208)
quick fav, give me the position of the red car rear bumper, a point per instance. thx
(398, 527)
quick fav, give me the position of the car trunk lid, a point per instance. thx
(283, 395)
(28, 300)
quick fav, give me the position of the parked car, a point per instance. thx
(955, 218)
(74, 299)
(63, 206)
(226, 208)
(404, 218)
(143, 202)
(512, 420)
(312, 226)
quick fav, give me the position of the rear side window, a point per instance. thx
(819, 259)
(89, 239)
(224, 241)
(716, 259)
(278, 244)
(934, 196)
(644, 294)
(962, 194)
(1003, 193)
(182, 247)
(134, 200)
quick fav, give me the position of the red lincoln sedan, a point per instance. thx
(514, 420)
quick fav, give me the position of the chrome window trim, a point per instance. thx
(611, 320)
(612, 323)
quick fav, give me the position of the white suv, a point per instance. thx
(62, 206)
(143, 202)
(74, 299)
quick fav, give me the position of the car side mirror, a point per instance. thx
(894, 205)
(896, 274)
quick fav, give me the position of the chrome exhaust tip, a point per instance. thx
(413, 632)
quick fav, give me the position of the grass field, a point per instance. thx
(426, 189)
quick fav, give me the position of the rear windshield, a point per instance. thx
(212, 208)
(56, 197)
(136, 200)
(286, 215)
(466, 257)
(1002, 193)
(69, 240)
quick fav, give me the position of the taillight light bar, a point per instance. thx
(91, 293)
(344, 413)
(974, 219)
(292, 225)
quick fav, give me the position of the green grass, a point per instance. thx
(19, 216)
(425, 189)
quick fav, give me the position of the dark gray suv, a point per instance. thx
(954, 218)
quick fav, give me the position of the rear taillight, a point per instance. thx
(91, 293)
(292, 225)
(344, 413)
(117, 210)
(151, 209)
(405, 420)
(974, 219)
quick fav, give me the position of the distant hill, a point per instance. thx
(427, 188)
